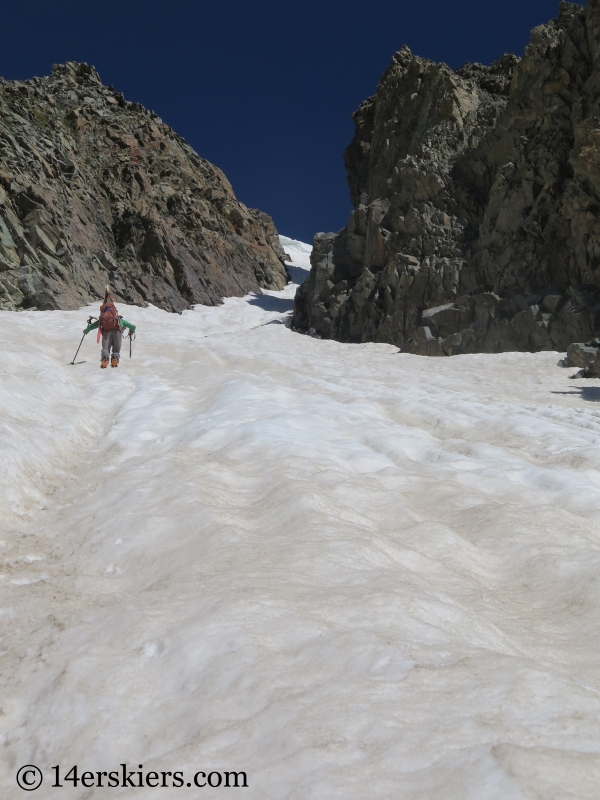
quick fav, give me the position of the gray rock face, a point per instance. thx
(586, 355)
(476, 193)
(95, 189)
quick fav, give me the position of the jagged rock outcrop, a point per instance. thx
(477, 204)
(95, 189)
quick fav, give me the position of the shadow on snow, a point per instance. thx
(297, 274)
(268, 303)
(590, 393)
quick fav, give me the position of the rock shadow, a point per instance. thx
(267, 303)
(297, 274)
(589, 393)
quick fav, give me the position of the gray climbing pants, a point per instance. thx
(111, 339)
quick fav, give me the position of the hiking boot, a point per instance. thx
(104, 363)
(114, 362)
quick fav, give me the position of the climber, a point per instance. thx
(110, 326)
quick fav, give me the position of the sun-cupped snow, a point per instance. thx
(345, 571)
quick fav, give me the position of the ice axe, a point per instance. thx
(131, 338)
(72, 363)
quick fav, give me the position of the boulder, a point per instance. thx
(582, 355)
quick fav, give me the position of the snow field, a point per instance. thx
(348, 572)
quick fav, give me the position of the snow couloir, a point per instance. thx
(347, 572)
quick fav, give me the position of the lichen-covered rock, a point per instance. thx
(476, 193)
(95, 189)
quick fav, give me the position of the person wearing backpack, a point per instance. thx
(110, 326)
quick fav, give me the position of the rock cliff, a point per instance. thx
(476, 193)
(95, 189)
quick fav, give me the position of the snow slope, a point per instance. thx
(348, 572)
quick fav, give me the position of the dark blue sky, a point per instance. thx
(263, 89)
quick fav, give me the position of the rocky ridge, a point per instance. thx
(476, 193)
(96, 189)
